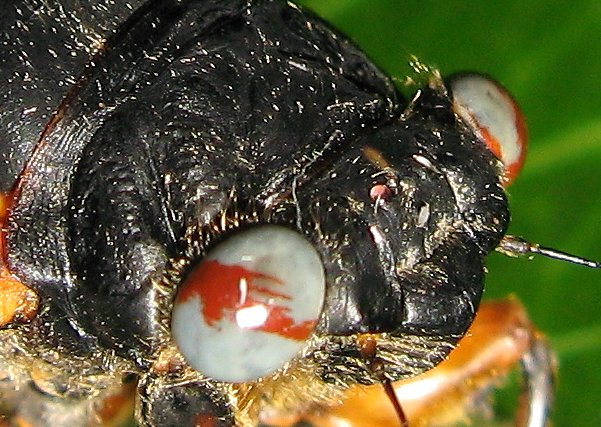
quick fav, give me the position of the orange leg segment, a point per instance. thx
(17, 301)
(500, 338)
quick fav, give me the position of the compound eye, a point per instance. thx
(250, 304)
(495, 118)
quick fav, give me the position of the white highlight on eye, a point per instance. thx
(252, 317)
(243, 286)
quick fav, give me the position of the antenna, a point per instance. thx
(516, 247)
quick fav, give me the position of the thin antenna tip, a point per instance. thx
(516, 246)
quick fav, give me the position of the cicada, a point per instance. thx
(226, 211)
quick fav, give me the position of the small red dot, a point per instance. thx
(380, 192)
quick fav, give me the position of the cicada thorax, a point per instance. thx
(152, 137)
(197, 114)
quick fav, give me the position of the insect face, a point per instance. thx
(232, 213)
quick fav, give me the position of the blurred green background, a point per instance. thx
(548, 54)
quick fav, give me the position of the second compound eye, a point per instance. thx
(495, 118)
(249, 305)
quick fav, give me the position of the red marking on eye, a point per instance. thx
(491, 142)
(219, 288)
(278, 322)
(380, 192)
(511, 170)
(520, 123)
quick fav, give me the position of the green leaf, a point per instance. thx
(548, 54)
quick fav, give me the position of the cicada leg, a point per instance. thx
(18, 303)
(28, 398)
(500, 339)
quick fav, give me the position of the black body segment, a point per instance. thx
(166, 401)
(409, 282)
(169, 112)
(162, 129)
(46, 47)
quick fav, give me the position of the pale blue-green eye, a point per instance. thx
(494, 117)
(250, 305)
